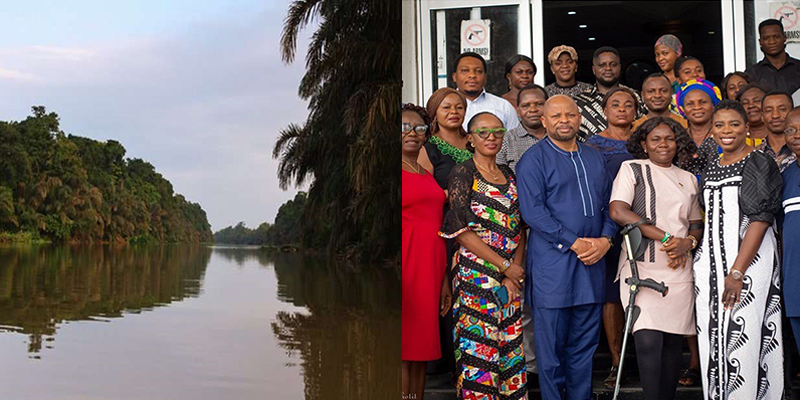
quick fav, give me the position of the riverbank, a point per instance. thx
(22, 238)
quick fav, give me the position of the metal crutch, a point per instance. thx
(633, 240)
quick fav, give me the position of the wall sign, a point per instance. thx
(476, 36)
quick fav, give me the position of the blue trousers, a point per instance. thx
(566, 339)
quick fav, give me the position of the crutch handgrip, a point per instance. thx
(650, 284)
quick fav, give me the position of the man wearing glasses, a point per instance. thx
(607, 67)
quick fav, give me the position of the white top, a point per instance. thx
(498, 105)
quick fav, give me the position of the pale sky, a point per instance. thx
(195, 87)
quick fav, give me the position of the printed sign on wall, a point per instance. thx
(787, 13)
(475, 37)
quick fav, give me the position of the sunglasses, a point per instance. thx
(419, 129)
(484, 133)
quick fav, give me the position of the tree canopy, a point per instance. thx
(70, 188)
(348, 146)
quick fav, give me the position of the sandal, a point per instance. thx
(690, 377)
(611, 380)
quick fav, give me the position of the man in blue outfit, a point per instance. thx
(563, 193)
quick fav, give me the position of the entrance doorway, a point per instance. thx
(712, 31)
(633, 28)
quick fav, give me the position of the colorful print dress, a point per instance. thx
(487, 336)
(741, 349)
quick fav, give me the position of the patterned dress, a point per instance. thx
(487, 336)
(740, 349)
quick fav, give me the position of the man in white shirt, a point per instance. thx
(470, 79)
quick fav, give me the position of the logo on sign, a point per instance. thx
(476, 36)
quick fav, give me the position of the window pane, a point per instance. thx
(503, 43)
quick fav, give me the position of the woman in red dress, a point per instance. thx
(426, 295)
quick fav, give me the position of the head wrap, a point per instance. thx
(556, 52)
(698, 84)
(672, 42)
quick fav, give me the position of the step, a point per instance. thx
(438, 387)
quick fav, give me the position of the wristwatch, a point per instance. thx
(736, 274)
(610, 240)
(506, 264)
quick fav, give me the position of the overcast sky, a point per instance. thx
(195, 87)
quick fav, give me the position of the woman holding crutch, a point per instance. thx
(663, 199)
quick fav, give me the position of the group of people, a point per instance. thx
(512, 208)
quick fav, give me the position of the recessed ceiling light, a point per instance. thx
(591, 38)
(581, 26)
(571, 13)
(710, 32)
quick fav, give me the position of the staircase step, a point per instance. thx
(438, 387)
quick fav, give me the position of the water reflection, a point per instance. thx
(349, 340)
(260, 325)
(44, 286)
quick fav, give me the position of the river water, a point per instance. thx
(183, 322)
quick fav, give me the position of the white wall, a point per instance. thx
(410, 86)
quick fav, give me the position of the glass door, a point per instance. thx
(633, 28)
(495, 29)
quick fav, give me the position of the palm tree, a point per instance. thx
(348, 146)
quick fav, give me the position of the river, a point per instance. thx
(194, 322)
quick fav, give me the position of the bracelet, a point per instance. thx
(666, 238)
(694, 241)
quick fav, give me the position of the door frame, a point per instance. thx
(424, 35)
(531, 40)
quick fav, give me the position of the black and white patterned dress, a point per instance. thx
(741, 349)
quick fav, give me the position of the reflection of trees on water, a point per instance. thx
(241, 254)
(41, 287)
(349, 338)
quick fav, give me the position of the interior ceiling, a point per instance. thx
(650, 17)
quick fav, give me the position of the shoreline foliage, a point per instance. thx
(65, 188)
(284, 231)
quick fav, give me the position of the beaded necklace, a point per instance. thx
(459, 155)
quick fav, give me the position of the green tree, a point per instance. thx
(74, 188)
(352, 83)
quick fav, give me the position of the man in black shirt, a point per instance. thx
(777, 70)
(607, 67)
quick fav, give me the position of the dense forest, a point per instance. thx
(285, 231)
(348, 148)
(69, 188)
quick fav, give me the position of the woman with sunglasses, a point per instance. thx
(484, 219)
(426, 294)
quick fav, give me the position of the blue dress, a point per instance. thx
(615, 153)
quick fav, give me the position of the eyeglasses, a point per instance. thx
(484, 133)
(419, 129)
(790, 132)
